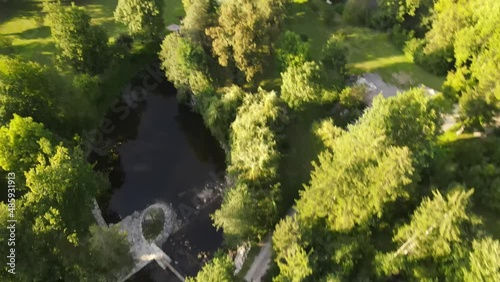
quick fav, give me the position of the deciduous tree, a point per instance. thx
(142, 17)
(80, 44)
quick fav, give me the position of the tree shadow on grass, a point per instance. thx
(35, 33)
(42, 52)
(17, 9)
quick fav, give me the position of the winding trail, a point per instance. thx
(262, 260)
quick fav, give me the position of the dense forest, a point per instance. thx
(378, 189)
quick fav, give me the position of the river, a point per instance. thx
(164, 153)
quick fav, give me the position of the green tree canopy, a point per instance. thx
(484, 261)
(80, 44)
(22, 143)
(242, 35)
(254, 154)
(185, 64)
(219, 269)
(62, 190)
(301, 85)
(29, 90)
(142, 17)
(292, 50)
(334, 59)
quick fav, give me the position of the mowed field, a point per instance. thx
(24, 24)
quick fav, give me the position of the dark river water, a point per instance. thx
(162, 152)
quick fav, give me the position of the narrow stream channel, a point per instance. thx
(163, 153)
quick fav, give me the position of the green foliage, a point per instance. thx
(353, 97)
(123, 45)
(247, 213)
(29, 89)
(365, 154)
(391, 12)
(199, 16)
(327, 132)
(473, 162)
(221, 112)
(334, 60)
(144, 18)
(185, 64)
(292, 50)
(301, 85)
(435, 225)
(254, 155)
(484, 261)
(243, 34)
(400, 37)
(477, 110)
(54, 216)
(110, 252)
(328, 15)
(250, 208)
(62, 190)
(80, 45)
(6, 47)
(219, 269)
(356, 12)
(291, 258)
(22, 143)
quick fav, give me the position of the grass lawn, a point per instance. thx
(369, 50)
(32, 41)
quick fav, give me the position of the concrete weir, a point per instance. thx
(143, 252)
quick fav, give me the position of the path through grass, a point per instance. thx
(369, 50)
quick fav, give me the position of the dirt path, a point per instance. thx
(262, 260)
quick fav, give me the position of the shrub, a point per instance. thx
(292, 51)
(6, 47)
(400, 36)
(329, 16)
(123, 45)
(356, 12)
(301, 85)
(339, 8)
(334, 60)
(437, 62)
(477, 109)
(379, 19)
(353, 97)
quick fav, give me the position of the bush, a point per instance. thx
(399, 36)
(329, 16)
(339, 8)
(353, 97)
(334, 60)
(6, 47)
(413, 48)
(123, 45)
(301, 85)
(477, 109)
(437, 62)
(292, 51)
(356, 12)
(380, 20)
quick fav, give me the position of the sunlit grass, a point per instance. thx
(369, 50)
(33, 42)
